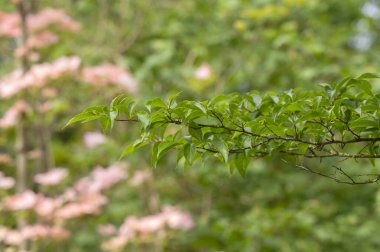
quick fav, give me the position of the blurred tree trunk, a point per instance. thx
(23, 7)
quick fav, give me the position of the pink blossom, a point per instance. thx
(115, 244)
(9, 23)
(177, 219)
(140, 177)
(151, 224)
(109, 74)
(69, 211)
(88, 185)
(129, 226)
(11, 116)
(45, 107)
(89, 204)
(3, 232)
(47, 206)
(203, 72)
(106, 230)
(110, 175)
(70, 194)
(50, 16)
(93, 139)
(6, 182)
(32, 232)
(134, 227)
(49, 92)
(52, 177)
(41, 40)
(34, 154)
(101, 179)
(36, 232)
(22, 201)
(5, 159)
(36, 41)
(13, 237)
(37, 76)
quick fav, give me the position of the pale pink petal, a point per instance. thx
(203, 72)
(93, 139)
(177, 219)
(6, 182)
(115, 244)
(106, 230)
(38, 76)
(47, 206)
(140, 176)
(11, 116)
(52, 177)
(23, 201)
(13, 238)
(109, 74)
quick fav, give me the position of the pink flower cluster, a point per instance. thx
(6, 182)
(32, 233)
(85, 197)
(140, 177)
(36, 41)
(11, 116)
(86, 205)
(10, 22)
(141, 228)
(23, 201)
(109, 74)
(203, 72)
(38, 75)
(52, 177)
(52, 17)
(36, 23)
(93, 139)
(101, 179)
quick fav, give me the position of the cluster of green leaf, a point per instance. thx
(339, 121)
(263, 44)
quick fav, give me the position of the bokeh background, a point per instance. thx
(202, 48)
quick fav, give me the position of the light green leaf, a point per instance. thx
(144, 119)
(222, 148)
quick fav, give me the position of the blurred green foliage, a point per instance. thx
(263, 44)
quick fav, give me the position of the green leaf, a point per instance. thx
(361, 84)
(82, 117)
(133, 146)
(222, 148)
(195, 132)
(189, 151)
(144, 119)
(117, 100)
(364, 122)
(159, 149)
(155, 103)
(172, 98)
(256, 99)
(369, 76)
(105, 123)
(240, 162)
(154, 158)
(129, 149)
(112, 117)
(201, 107)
